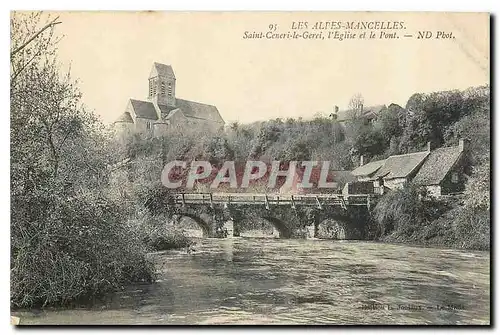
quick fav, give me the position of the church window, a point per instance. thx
(148, 125)
(154, 88)
(454, 177)
(169, 89)
(162, 88)
(150, 88)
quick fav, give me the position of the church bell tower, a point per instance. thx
(162, 85)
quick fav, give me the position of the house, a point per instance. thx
(399, 169)
(439, 172)
(369, 114)
(443, 171)
(163, 110)
(365, 172)
(391, 173)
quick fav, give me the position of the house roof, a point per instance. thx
(199, 110)
(368, 169)
(162, 70)
(125, 117)
(400, 166)
(369, 112)
(437, 165)
(144, 109)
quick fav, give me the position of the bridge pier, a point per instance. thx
(276, 232)
(311, 231)
(229, 226)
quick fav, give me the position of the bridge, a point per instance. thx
(314, 200)
(292, 216)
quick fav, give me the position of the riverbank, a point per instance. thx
(97, 262)
(403, 216)
(455, 229)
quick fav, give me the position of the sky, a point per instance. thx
(111, 54)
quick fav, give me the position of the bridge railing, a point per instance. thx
(317, 200)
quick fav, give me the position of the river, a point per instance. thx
(250, 280)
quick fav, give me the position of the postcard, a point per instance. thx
(250, 168)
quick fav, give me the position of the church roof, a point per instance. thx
(144, 109)
(165, 110)
(125, 117)
(400, 166)
(198, 110)
(437, 165)
(190, 109)
(161, 70)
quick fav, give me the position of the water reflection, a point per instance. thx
(267, 281)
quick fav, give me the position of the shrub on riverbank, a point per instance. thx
(75, 249)
(164, 239)
(158, 234)
(403, 217)
(403, 213)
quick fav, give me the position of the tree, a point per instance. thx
(417, 133)
(369, 142)
(30, 42)
(217, 150)
(356, 105)
(389, 122)
(67, 235)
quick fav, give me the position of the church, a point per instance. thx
(163, 110)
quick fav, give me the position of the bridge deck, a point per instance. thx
(316, 200)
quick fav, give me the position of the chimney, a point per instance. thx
(336, 109)
(461, 144)
(361, 160)
(429, 146)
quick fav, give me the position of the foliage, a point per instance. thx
(430, 115)
(156, 234)
(391, 122)
(68, 240)
(474, 129)
(403, 216)
(402, 212)
(478, 188)
(369, 143)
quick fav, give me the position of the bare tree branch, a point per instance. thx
(50, 24)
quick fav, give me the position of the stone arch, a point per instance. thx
(283, 229)
(203, 220)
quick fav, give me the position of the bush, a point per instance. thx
(157, 235)
(403, 217)
(472, 229)
(77, 248)
(403, 214)
(165, 240)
